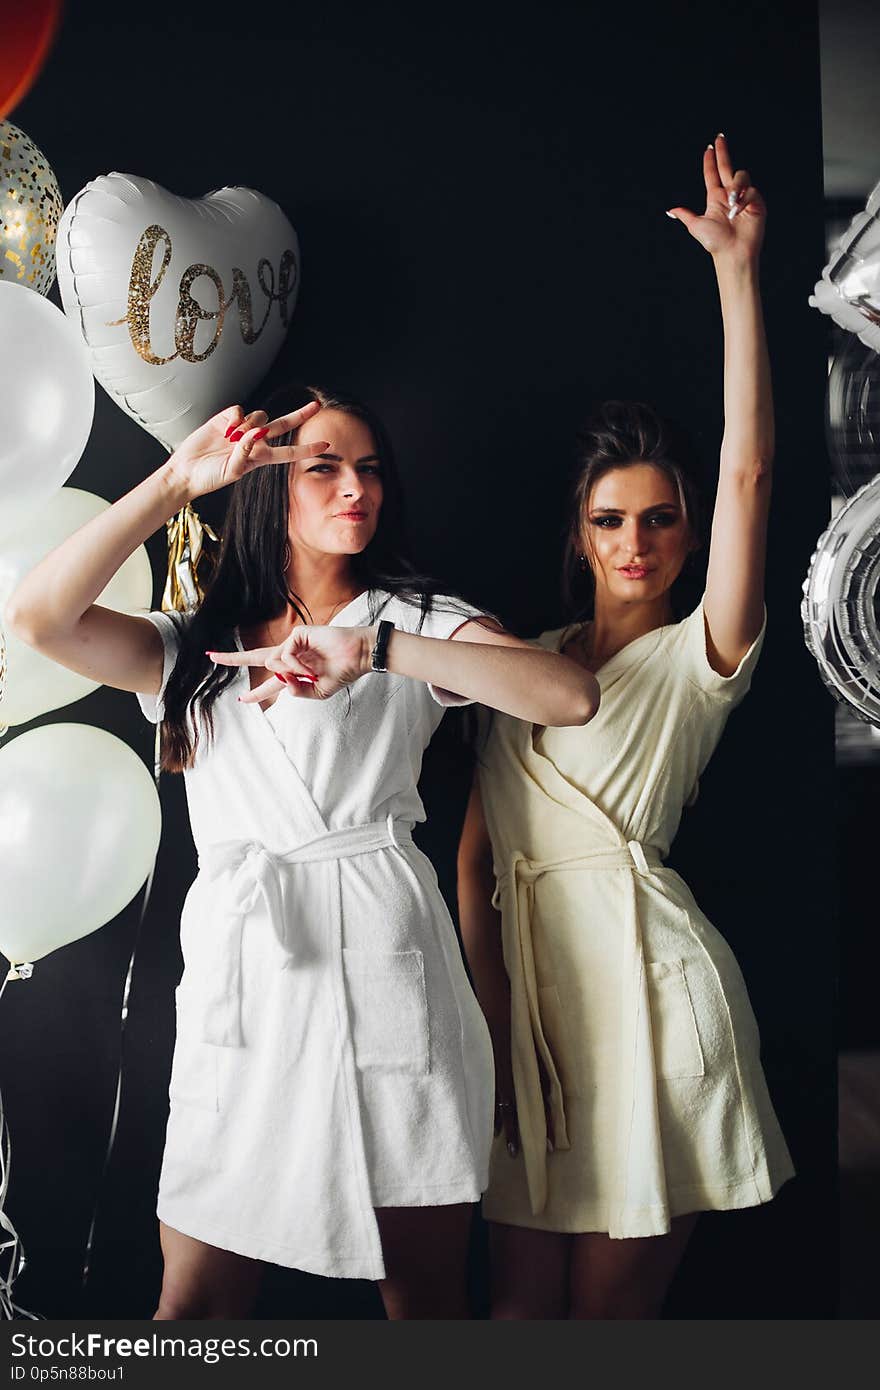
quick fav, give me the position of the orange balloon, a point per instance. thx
(27, 33)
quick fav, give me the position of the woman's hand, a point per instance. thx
(732, 227)
(313, 662)
(505, 1098)
(231, 444)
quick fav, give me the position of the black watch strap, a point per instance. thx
(379, 654)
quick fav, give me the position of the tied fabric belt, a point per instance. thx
(515, 896)
(243, 872)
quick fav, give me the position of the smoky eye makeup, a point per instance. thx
(666, 516)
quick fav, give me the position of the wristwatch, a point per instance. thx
(379, 654)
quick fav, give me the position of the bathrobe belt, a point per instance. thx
(243, 872)
(515, 895)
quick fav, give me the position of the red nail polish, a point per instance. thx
(236, 436)
(231, 428)
(261, 434)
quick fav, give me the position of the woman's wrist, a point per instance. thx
(175, 486)
(736, 270)
(368, 642)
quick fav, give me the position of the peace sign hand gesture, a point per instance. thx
(732, 227)
(231, 444)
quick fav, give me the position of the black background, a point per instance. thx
(479, 194)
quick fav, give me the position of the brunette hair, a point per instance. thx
(619, 434)
(248, 584)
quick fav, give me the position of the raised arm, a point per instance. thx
(732, 231)
(53, 609)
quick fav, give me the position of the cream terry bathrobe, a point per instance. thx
(330, 1054)
(631, 998)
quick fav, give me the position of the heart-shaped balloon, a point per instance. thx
(183, 302)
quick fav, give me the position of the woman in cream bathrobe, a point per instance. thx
(332, 1087)
(629, 1086)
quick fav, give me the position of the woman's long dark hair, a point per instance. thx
(248, 585)
(619, 434)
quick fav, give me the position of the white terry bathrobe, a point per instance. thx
(330, 1055)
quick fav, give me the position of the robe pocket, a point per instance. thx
(677, 1050)
(388, 1008)
(194, 1075)
(554, 1026)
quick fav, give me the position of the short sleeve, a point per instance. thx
(447, 615)
(729, 689)
(169, 627)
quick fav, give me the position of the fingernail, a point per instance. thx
(231, 428)
(672, 215)
(732, 214)
(511, 1148)
(720, 135)
(732, 196)
(710, 147)
(236, 436)
(261, 434)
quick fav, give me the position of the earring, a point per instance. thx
(583, 562)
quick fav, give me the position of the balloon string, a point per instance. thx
(86, 1269)
(8, 1308)
(3, 727)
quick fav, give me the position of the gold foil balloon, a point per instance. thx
(30, 209)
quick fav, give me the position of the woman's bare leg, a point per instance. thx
(425, 1252)
(529, 1272)
(625, 1278)
(203, 1281)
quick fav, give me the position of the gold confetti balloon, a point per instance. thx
(30, 209)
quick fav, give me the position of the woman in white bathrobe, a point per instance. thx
(630, 1089)
(332, 1083)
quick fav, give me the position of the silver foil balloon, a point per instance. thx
(841, 604)
(852, 415)
(30, 209)
(849, 290)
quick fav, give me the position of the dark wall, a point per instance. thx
(480, 197)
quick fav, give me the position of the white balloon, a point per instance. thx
(183, 302)
(80, 823)
(34, 683)
(47, 401)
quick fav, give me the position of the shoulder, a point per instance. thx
(170, 625)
